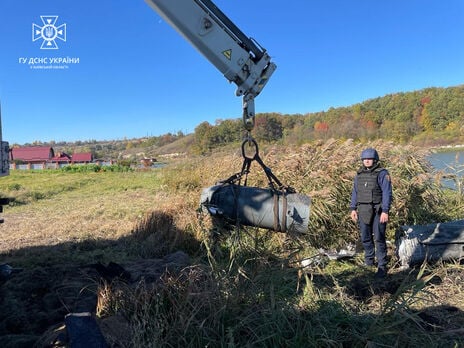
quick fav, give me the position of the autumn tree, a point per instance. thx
(268, 127)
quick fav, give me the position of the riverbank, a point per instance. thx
(447, 148)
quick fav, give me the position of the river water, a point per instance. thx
(450, 162)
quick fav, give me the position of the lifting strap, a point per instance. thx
(276, 186)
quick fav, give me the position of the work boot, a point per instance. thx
(381, 273)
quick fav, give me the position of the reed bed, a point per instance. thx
(256, 293)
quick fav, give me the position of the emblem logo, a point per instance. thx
(49, 32)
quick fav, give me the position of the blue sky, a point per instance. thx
(137, 77)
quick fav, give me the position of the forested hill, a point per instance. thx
(431, 116)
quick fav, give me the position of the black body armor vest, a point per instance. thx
(368, 188)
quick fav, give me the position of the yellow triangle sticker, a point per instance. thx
(227, 54)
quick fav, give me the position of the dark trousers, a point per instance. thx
(374, 241)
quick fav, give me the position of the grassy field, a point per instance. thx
(241, 287)
(54, 207)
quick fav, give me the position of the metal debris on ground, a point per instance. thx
(432, 242)
(319, 259)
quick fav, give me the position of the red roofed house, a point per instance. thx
(33, 156)
(42, 157)
(84, 157)
(60, 158)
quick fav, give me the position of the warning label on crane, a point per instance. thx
(227, 54)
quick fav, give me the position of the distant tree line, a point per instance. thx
(431, 116)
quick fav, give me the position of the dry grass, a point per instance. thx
(252, 291)
(91, 210)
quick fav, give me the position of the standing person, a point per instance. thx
(370, 205)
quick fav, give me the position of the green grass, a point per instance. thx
(24, 187)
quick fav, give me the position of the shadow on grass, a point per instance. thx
(253, 303)
(64, 278)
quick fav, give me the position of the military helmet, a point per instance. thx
(370, 153)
